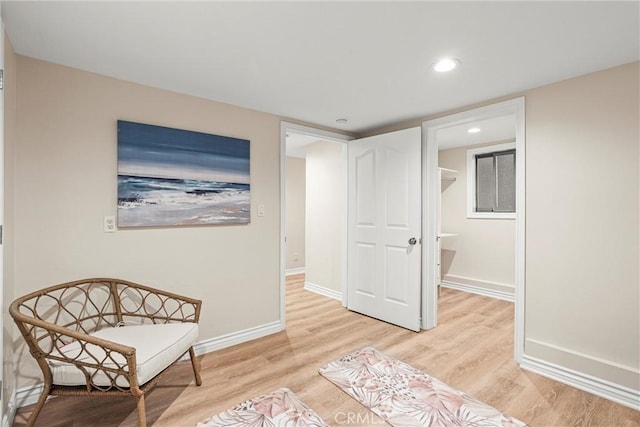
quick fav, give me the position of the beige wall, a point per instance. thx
(295, 212)
(9, 332)
(482, 254)
(582, 307)
(582, 252)
(65, 181)
(325, 214)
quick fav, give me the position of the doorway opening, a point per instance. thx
(314, 213)
(504, 124)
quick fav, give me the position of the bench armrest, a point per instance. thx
(105, 364)
(138, 301)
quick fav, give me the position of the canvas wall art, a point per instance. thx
(173, 177)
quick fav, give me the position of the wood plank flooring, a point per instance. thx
(471, 349)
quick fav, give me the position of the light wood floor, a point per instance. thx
(471, 349)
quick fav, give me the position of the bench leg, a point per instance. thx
(142, 415)
(196, 368)
(36, 411)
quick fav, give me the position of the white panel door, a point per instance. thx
(3, 386)
(384, 229)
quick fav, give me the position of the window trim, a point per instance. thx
(471, 181)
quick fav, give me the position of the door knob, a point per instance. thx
(413, 241)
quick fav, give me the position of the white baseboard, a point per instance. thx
(29, 395)
(505, 296)
(10, 413)
(235, 338)
(330, 293)
(292, 271)
(24, 396)
(614, 392)
(8, 417)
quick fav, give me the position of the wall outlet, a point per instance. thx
(110, 224)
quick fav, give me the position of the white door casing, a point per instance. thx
(515, 107)
(384, 226)
(3, 392)
(286, 127)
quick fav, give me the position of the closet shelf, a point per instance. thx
(448, 174)
(447, 235)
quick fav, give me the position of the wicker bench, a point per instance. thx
(106, 337)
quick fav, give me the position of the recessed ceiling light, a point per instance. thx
(341, 121)
(473, 130)
(446, 64)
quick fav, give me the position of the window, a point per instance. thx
(491, 181)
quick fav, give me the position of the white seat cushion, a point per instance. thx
(157, 346)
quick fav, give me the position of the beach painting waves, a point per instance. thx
(172, 177)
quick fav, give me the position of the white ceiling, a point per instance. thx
(319, 61)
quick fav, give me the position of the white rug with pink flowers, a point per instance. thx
(278, 408)
(405, 397)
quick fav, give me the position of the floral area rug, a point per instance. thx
(279, 408)
(404, 396)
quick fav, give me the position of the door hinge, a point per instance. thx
(1, 79)
(1, 233)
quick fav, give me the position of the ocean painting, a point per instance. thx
(172, 177)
